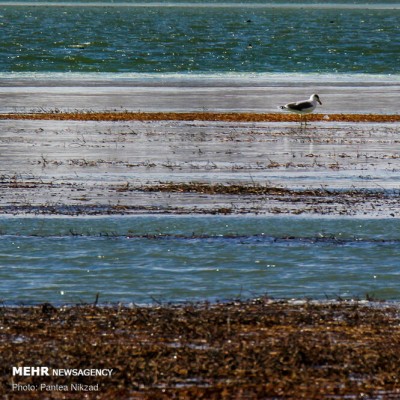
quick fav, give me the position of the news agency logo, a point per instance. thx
(30, 371)
(46, 371)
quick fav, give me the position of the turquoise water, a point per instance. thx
(144, 259)
(211, 37)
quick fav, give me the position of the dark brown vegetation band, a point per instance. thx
(198, 116)
(257, 349)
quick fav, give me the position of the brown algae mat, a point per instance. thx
(256, 349)
(197, 116)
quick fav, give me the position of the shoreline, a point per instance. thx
(260, 348)
(199, 93)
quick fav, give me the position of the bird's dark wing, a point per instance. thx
(301, 106)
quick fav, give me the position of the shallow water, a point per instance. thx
(198, 37)
(162, 258)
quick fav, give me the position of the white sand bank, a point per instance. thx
(250, 93)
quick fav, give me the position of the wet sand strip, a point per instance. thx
(198, 116)
(198, 167)
(241, 349)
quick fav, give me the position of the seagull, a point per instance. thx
(303, 107)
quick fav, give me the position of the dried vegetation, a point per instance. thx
(197, 116)
(253, 189)
(258, 349)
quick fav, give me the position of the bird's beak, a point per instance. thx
(319, 101)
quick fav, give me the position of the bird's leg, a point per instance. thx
(303, 120)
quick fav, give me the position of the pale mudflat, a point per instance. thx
(96, 167)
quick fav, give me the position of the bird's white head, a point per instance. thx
(315, 97)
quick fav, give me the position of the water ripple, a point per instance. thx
(137, 259)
